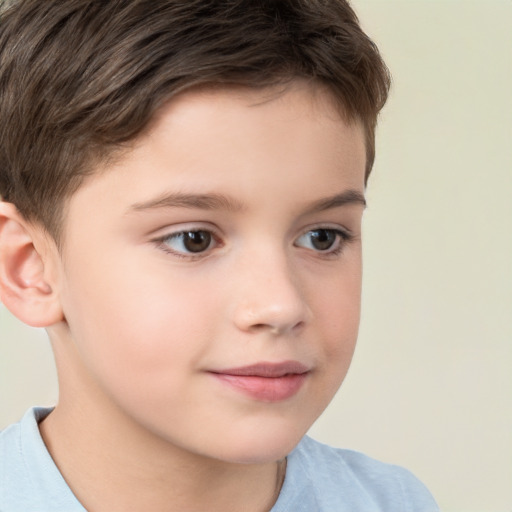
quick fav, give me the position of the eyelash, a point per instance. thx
(161, 242)
(343, 237)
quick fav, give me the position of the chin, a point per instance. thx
(262, 445)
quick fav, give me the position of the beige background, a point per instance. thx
(431, 384)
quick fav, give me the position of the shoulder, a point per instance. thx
(13, 473)
(29, 479)
(348, 480)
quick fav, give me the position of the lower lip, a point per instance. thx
(265, 389)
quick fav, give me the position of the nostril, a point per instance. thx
(273, 311)
(277, 330)
(266, 327)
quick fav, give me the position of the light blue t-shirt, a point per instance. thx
(318, 478)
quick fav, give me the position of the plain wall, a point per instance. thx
(430, 387)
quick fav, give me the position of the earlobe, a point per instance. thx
(24, 287)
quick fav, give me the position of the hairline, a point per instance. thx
(113, 156)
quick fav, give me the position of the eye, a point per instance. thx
(188, 242)
(323, 240)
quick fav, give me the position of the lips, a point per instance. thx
(268, 382)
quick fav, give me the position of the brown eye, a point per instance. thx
(322, 239)
(188, 242)
(197, 241)
(326, 240)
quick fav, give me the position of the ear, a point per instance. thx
(25, 286)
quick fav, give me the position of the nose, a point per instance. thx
(269, 297)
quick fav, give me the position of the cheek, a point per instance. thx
(338, 315)
(139, 327)
(339, 305)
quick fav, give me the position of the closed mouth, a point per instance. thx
(266, 382)
(266, 369)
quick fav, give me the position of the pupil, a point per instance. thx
(322, 239)
(197, 241)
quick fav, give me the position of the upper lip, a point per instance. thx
(266, 369)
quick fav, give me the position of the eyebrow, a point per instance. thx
(196, 201)
(344, 198)
(221, 202)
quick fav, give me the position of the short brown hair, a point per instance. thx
(81, 78)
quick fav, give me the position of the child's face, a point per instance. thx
(229, 237)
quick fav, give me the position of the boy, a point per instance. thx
(183, 186)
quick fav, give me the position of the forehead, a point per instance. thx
(238, 142)
(313, 96)
(208, 122)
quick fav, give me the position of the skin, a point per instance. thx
(138, 324)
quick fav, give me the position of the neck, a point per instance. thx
(112, 464)
(110, 471)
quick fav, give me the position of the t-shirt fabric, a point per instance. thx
(318, 478)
